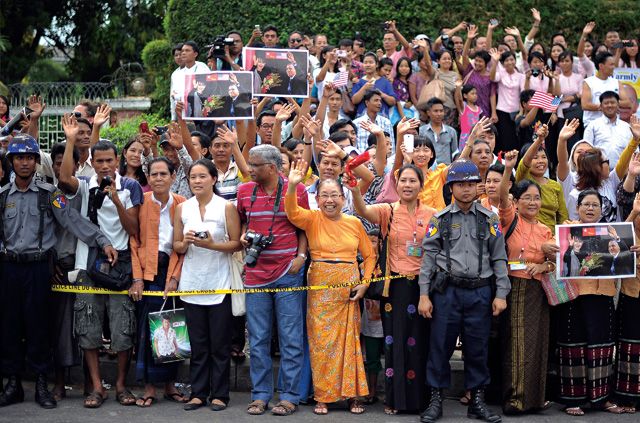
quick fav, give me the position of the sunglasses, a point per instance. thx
(296, 40)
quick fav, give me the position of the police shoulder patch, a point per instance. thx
(432, 230)
(58, 200)
(494, 226)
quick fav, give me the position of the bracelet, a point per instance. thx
(307, 143)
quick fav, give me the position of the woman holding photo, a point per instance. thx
(156, 267)
(585, 333)
(526, 342)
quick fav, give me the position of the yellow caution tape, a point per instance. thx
(81, 289)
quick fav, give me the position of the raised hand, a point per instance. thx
(634, 122)
(472, 31)
(536, 15)
(494, 26)
(228, 135)
(569, 129)
(634, 165)
(285, 113)
(37, 104)
(408, 157)
(371, 127)
(102, 115)
(588, 28)
(70, 126)
(330, 148)
(612, 232)
(481, 126)
(495, 54)
(510, 159)
(542, 132)
(233, 79)
(392, 26)
(310, 124)
(636, 203)
(297, 172)
(512, 31)
(328, 90)
(290, 58)
(147, 141)
(179, 109)
(407, 124)
(175, 138)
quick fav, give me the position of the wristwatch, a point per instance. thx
(303, 255)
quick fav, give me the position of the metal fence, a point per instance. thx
(63, 94)
(60, 97)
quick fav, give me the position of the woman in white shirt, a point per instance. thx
(207, 232)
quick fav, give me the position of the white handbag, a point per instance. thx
(236, 266)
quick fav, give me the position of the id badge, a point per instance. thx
(414, 249)
(517, 265)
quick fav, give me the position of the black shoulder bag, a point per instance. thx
(101, 272)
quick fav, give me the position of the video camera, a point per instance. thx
(217, 47)
(14, 123)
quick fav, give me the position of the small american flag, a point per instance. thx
(545, 101)
(341, 79)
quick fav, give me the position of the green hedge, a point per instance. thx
(126, 129)
(203, 20)
(158, 62)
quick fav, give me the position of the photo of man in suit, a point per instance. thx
(619, 261)
(278, 72)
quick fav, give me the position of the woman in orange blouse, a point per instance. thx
(585, 333)
(403, 224)
(526, 343)
(156, 267)
(333, 315)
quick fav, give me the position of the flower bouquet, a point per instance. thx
(590, 262)
(211, 103)
(270, 81)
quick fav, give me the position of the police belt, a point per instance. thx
(469, 283)
(11, 257)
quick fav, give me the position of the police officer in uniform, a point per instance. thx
(464, 267)
(28, 210)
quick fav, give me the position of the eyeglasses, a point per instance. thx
(296, 40)
(257, 164)
(327, 196)
(594, 206)
(528, 199)
(267, 126)
(604, 161)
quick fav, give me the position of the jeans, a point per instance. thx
(287, 308)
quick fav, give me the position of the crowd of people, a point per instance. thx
(431, 170)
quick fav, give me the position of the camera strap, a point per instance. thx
(276, 203)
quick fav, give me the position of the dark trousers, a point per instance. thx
(454, 310)
(210, 336)
(25, 291)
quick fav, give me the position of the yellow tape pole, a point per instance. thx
(80, 289)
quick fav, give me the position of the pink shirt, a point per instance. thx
(468, 119)
(536, 84)
(508, 89)
(397, 56)
(569, 85)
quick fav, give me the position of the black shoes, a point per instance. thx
(13, 392)
(43, 396)
(478, 408)
(434, 411)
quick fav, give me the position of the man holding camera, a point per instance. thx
(113, 205)
(232, 59)
(29, 208)
(276, 254)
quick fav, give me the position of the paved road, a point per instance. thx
(70, 410)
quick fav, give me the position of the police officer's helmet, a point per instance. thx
(463, 170)
(23, 144)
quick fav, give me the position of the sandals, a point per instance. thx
(94, 400)
(390, 411)
(257, 408)
(574, 411)
(217, 405)
(146, 402)
(175, 397)
(126, 398)
(466, 399)
(612, 407)
(321, 409)
(284, 408)
(355, 406)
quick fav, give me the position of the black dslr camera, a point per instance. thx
(217, 48)
(258, 243)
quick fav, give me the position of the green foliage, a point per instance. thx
(128, 128)
(158, 62)
(46, 70)
(190, 19)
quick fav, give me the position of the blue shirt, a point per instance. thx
(381, 84)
